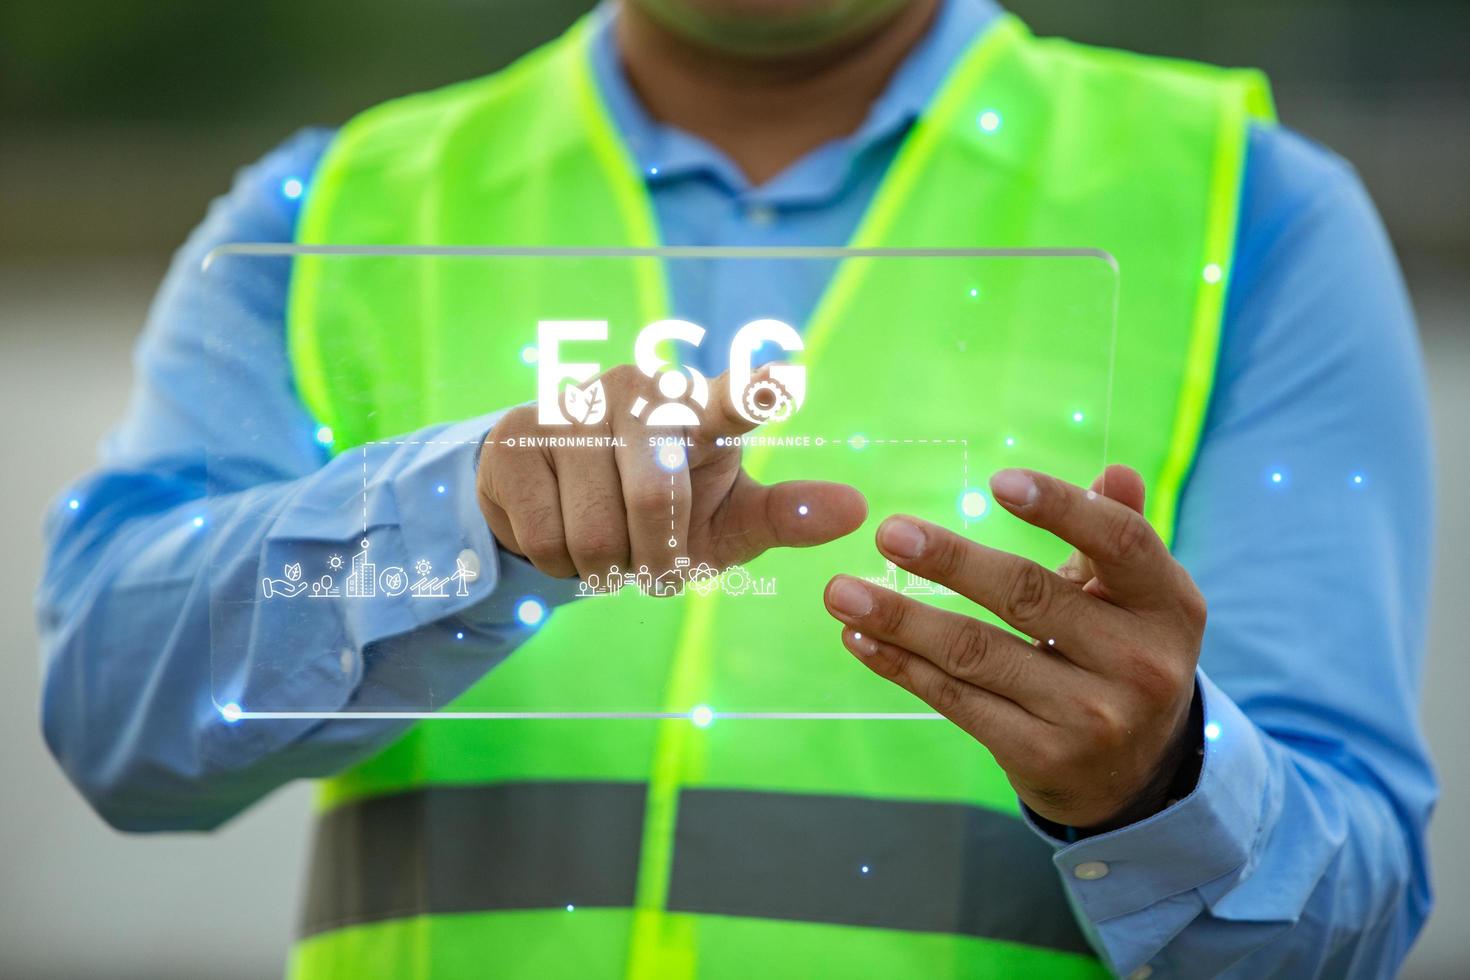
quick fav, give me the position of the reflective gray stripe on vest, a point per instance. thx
(931, 867)
(887, 864)
(475, 849)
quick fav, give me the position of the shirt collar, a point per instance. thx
(666, 154)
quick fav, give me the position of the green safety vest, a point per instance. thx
(654, 848)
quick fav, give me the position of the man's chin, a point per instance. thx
(768, 28)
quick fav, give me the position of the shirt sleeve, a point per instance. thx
(216, 484)
(1307, 525)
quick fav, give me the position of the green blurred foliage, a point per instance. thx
(250, 60)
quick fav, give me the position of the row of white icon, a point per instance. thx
(701, 578)
(365, 581)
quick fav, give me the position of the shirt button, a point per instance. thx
(760, 215)
(1090, 870)
(471, 563)
(1142, 973)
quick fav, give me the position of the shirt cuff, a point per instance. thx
(431, 501)
(1202, 844)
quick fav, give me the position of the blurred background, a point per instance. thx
(120, 119)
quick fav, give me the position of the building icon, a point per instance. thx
(363, 582)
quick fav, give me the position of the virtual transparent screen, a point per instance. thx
(533, 477)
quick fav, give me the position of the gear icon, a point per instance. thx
(768, 400)
(735, 580)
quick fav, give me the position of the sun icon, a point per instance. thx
(335, 563)
(423, 566)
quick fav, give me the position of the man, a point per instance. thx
(1261, 813)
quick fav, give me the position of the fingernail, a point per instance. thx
(902, 538)
(1015, 487)
(850, 598)
(861, 645)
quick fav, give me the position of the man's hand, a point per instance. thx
(1089, 721)
(580, 510)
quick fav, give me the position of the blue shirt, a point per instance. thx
(1306, 523)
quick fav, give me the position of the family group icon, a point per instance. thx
(365, 580)
(701, 579)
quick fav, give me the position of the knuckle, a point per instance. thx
(598, 549)
(1049, 755)
(647, 498)
(1028, 595)
(1158, 680)
(891, 612)
(892, 665)
(948, 695)
(541, 545)
(948, 558)
(1130, 538)
(1194, 608)
(969, 648)
(1103, 723)
(1052, 496)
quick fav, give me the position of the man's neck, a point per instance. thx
(765, 113)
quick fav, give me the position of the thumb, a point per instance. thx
(1116, 482)
(796, 514)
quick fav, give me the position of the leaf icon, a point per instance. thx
(585, 405)
(293, 572)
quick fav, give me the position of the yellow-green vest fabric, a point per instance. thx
(671, 835)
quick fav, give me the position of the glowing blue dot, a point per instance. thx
(671, 456)
(571, 907)
(973, 504)
(231, 712)
(530, 354)
(459, 636)
(864, 869)
(1277, 477)
(702, 716)
(989, 120)
(1213, 273)
(858, 441)
(198, 522)
(74, 503)
(292, 188)
(324, 435)
(1077, 416)
(653, 171)
(530, 612)
(803, 510)
(1357, 479)
(974, 293)
(441, 488)
(1212, 731)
